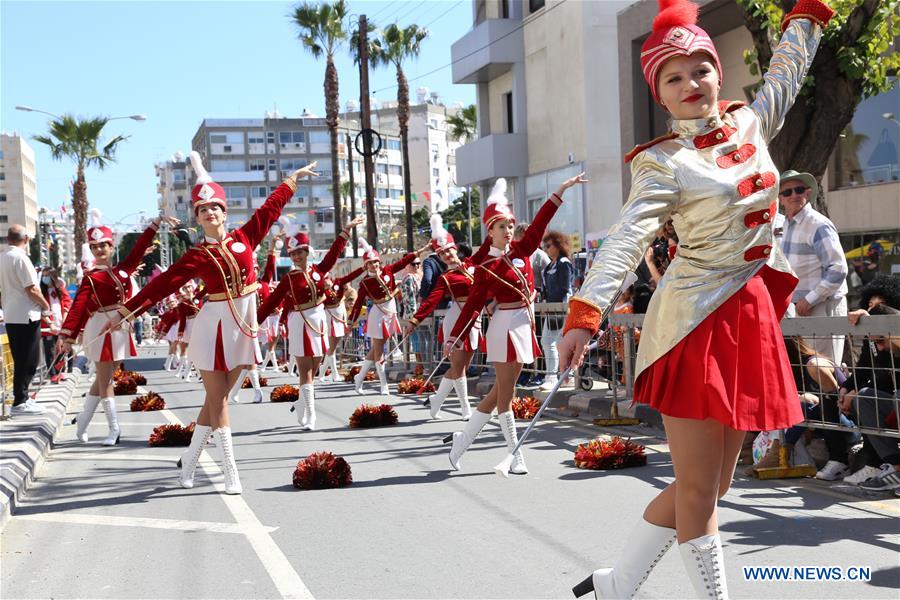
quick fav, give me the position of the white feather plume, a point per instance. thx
(96, 217)
(438, 232)
(279, 244)
(498, 194)
(199, 169)
(364, 244)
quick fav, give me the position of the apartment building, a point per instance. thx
(174, 193)
(18, 185)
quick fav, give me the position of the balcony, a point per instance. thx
(497, 155)
(489, 50)
(237, 176)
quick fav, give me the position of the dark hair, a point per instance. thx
(798, 352)
(54, 279)
(883, 309)
(463, 250)
(562, 242)
(885, 286)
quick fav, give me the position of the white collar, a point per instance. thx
(495, 251)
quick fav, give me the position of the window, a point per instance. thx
(435, 172)
(255, 137)
(433, 123)
(508, 104)
(179, 200)
(319, 137)
(395, 194)
(292, 137)
(302, 193)
(257, 164)
(270, 137)
(504, 9)
(867, 151)
(178, 176)
(273, 164)
(395, 169)
(2, 197)
(4, 219)
(382, 193)
(535, 5)
(218, 138)
(258, 191)
(227, 165)
(2, 176)
(356, 165)
(292, 164)
(393, 145)
(325, 216)
(435, 149)
(381, 168)
(235, 192)
(226, 137)
(342, 165)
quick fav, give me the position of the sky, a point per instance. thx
(178, 63)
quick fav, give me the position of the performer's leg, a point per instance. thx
(507, 374)
(308, 366)
(236, 388)
(215, 414)
(298, 406)
(253, 374)
(374, 354)
(459, 362)
(91, 401)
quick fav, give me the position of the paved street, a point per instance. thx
(113, 523)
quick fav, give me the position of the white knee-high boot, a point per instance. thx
(382, 378)
(647, 544)
(705, 565)
(360, 377)
(169, 360)
(109, 407)
(508, 426)
(463, 439)
(84, 417)
(308, 396)
(334, 368)
(461, 385)
(257, 390)
(190, 458)
(437, 399)
(320, 374)
(229, 466)
(233, 392)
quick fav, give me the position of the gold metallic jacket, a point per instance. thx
(715, 179)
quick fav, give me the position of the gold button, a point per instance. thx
(719, 135)
(766, 251)
(758, 183)
(737, 158)
(766, 215)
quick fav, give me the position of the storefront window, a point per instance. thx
(867, 151)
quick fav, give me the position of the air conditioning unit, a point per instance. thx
(226, 148)
(283, 145)
(271, 150)
(296, 144)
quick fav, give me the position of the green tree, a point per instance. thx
(459, 210)
(177, 247)
(79, 140)
(855, 60)
(394, 47)
(320, 28)
(463, 125)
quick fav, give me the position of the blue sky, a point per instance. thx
(178, 63)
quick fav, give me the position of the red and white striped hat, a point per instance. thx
(206, 191)
(98, 232)
(497, 205)
(440, 238)
(675, 33)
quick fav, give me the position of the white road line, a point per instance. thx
(176, 524)
(270, 555)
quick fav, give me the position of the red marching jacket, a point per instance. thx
(380, 289)
(105, 288)
(334, 294)
(186, 309)
(455, 283)
(227, 268)
(508, 278)
(166, 320)
(304, 289)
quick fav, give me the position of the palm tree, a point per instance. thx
(79, 139)
(395, 46)
(320, 28)
(463, 124)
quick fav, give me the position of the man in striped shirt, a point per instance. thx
(811, 244)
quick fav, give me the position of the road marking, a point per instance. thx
(176, 524)
(276, 564)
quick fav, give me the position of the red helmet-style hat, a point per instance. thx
(206, 191)
(497, 205)
(299, 241)
(440, 238)
(98, 232)
(370, 254)
(675, 33)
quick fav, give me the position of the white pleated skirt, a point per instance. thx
(510, 337)
(172, 333)
(308, 332)
(475, 337)
(382, 321)
(337, 320)
(188, 328)
(114, 345)
(217, 342)
(268, 329)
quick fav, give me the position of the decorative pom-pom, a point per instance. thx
(172, 435)
(371, 415)
(285, 393)
(263, 382)
(675, 12)
(414, 385)
(614, 453)
(199, 169)
(147, 402)
(348, 378)
(322, 470)
(525, 407)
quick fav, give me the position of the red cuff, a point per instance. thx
(582, 315)
(814, 10)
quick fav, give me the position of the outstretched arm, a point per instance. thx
(531, 240)
(440, 291)
(256, 228)
(136, 255)
(275, 298)
(472, 308)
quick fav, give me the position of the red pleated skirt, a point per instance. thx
(733, 367)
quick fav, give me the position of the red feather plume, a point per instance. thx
(675, 12)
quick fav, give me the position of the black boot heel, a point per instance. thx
(74, 420)
(448, 439)
(178, 464)
(585, 587)
(292, 409)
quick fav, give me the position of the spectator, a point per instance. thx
(558, 278)
(870, 394)
(432, 268)
(53, 289)
(409, 294)
(812, 247)
(23, 309)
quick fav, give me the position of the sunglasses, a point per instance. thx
(786, 193)
(417, 264)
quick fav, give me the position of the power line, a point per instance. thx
(385, 7)
(430, 23)
(477, 50)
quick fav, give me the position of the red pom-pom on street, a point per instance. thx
(370, 415)
(414, 385)
(322, 470)
(525, 407)
(348, 378)
(125, 386)
(171, 435)
(285, 393)
(615, 453)
(263, 382)
(147, 402)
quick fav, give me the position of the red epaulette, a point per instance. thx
(727, 106)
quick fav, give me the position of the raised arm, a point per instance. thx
(271, 303)
(341, 281)
(531, 240)
(482, 253)
(801, 32)
(398, 265)
(654, 195)
(269, 270)
(257, 227)
(187, 267)
(136, 255)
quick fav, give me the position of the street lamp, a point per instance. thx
(891, 117)
(30, 109)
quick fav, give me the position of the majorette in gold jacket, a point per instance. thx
(715, 179)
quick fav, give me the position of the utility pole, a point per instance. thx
(366, 121)
(164, 253)
(352, 195)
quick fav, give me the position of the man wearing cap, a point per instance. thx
(813, 249)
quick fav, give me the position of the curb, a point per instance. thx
(27, 440)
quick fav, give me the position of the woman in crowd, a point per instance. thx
(454, 284)
(336, 292)
(186, 311)
(558, 278)
(380, 286)
(304, 289)
(103, 291)
(505, 275)
(712, 358)
(54, 290)
(224, 335)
